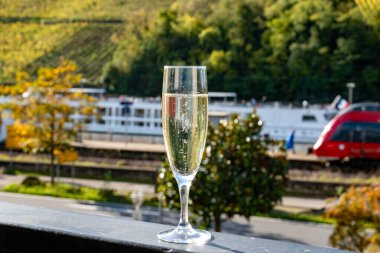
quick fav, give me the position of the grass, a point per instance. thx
(93, 177)
(335, 177)
(62, 190)
(69, 191)
(65, 190)
(315, 218)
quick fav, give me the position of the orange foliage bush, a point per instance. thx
(357, 217)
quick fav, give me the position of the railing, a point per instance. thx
(31, 229)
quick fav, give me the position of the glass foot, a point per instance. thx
(184, 235)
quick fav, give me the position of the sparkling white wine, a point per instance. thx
(184, 122)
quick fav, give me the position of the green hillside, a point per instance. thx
(36, 33)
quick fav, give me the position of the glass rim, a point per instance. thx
(184, 67)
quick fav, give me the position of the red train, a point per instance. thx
(352, 133)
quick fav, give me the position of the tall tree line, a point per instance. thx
(288, 50)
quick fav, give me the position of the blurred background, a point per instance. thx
(293, 148)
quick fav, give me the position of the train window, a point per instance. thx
(356, 134)
(359, 108)
(308, 117)
(345, 132)
(367, 107)
(372, 108)
(372, 132)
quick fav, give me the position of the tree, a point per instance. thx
(237, 176)
(356, 210)
(284, 50)
(47, 106)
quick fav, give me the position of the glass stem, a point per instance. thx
(184, 195)
(184, 184)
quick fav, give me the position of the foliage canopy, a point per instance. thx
(284, 50)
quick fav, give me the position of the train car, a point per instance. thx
(354, 133)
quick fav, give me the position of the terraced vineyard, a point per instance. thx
(77, 9)
(38, 33)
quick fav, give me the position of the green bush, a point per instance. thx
(31, 181)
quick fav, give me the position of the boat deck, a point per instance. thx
(160, 148)
(125, 146)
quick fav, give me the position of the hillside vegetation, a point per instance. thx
(288, 50)
(35, 33)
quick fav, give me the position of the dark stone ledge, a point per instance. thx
(31, 229)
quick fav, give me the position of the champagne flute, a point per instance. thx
(184, 122)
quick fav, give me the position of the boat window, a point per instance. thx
(139, 113)
(88, 120)
(329, 115)
(308, 117)
(157, 114)
(101, 111)
(100, 121)
(126, 109)
(139, 123)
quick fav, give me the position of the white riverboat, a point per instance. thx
(142, 116)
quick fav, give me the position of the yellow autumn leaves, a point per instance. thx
(42, 110)
(357, 217)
